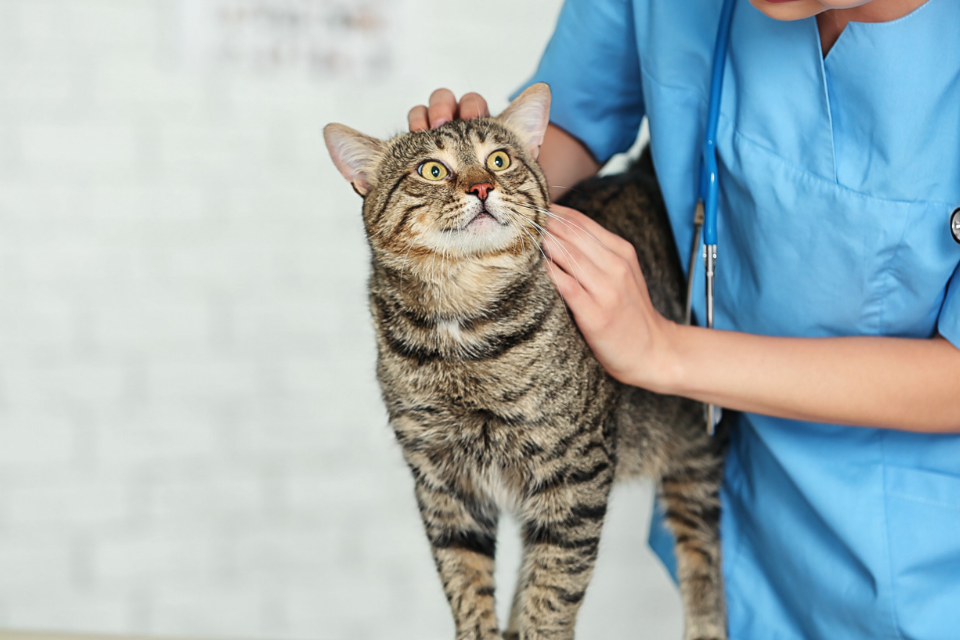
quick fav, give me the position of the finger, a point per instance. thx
(572, 233)
(443, 105)
(570, 290)
(472, 105)
(569, 257)
(612, 257)
(574, 296)
(586, 225)
(601, 244)
(570, 222)
(417, 118)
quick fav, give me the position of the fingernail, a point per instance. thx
(439, 122)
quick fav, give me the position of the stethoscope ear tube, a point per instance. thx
(709, 181)
(709, 185)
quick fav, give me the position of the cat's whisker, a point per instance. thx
(406, 257)
(561, 186)
(433, 256)
(443, 260)
(551, 265)
(561, 219)
(460, 243)
(572, 225)
(547, 259)
(550, 262)
(513, 223)
(486, 127)
(543, 234)
(403, 266)
(533, 241)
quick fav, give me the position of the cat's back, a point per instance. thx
(629, 204)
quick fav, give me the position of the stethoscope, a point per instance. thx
(705, 214)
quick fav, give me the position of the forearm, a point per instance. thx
(564, 160)
(907, 384)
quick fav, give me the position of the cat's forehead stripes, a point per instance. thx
(443, 138)
(460, 137)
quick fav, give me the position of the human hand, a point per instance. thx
(443, 108)
(599, 277)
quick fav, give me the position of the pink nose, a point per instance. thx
(480, 189)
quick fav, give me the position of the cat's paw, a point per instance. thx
(705, 635)
(706, 631)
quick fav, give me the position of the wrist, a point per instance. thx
(664, 371)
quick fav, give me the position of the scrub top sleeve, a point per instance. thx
(593, 69)
(948, 324)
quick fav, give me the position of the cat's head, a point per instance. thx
(469, 191)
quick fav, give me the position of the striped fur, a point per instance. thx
(495, 398)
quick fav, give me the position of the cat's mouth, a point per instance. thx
(482, 220)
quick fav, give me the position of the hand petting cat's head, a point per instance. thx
(468, 191)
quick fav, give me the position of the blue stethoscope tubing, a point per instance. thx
(705, 216)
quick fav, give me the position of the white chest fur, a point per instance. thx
(492, 482)
(452, 330)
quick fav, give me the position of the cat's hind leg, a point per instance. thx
(690, 494)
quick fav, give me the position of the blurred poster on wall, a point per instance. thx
(325, 39)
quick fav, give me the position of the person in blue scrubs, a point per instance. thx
(838, 290)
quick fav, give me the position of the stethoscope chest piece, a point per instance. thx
(955, 225)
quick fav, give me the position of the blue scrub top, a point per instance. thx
(838, 177)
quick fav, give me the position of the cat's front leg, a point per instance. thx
(561, 536)
(462, 532)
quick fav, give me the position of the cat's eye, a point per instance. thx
(498, 161)
(433, 170)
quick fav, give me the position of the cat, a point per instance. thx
(494, 396)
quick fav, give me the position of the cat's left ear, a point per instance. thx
(355, 154)
(528, 115)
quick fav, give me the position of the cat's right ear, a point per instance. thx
(355, 155)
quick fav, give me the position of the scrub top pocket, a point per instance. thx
(819, 259)
(923, 524)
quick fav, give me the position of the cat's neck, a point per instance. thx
(462, 290)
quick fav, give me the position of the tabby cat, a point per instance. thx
(495, 397)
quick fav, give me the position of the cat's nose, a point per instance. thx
(480, 189)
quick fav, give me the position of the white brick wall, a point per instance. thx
(191, 437)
